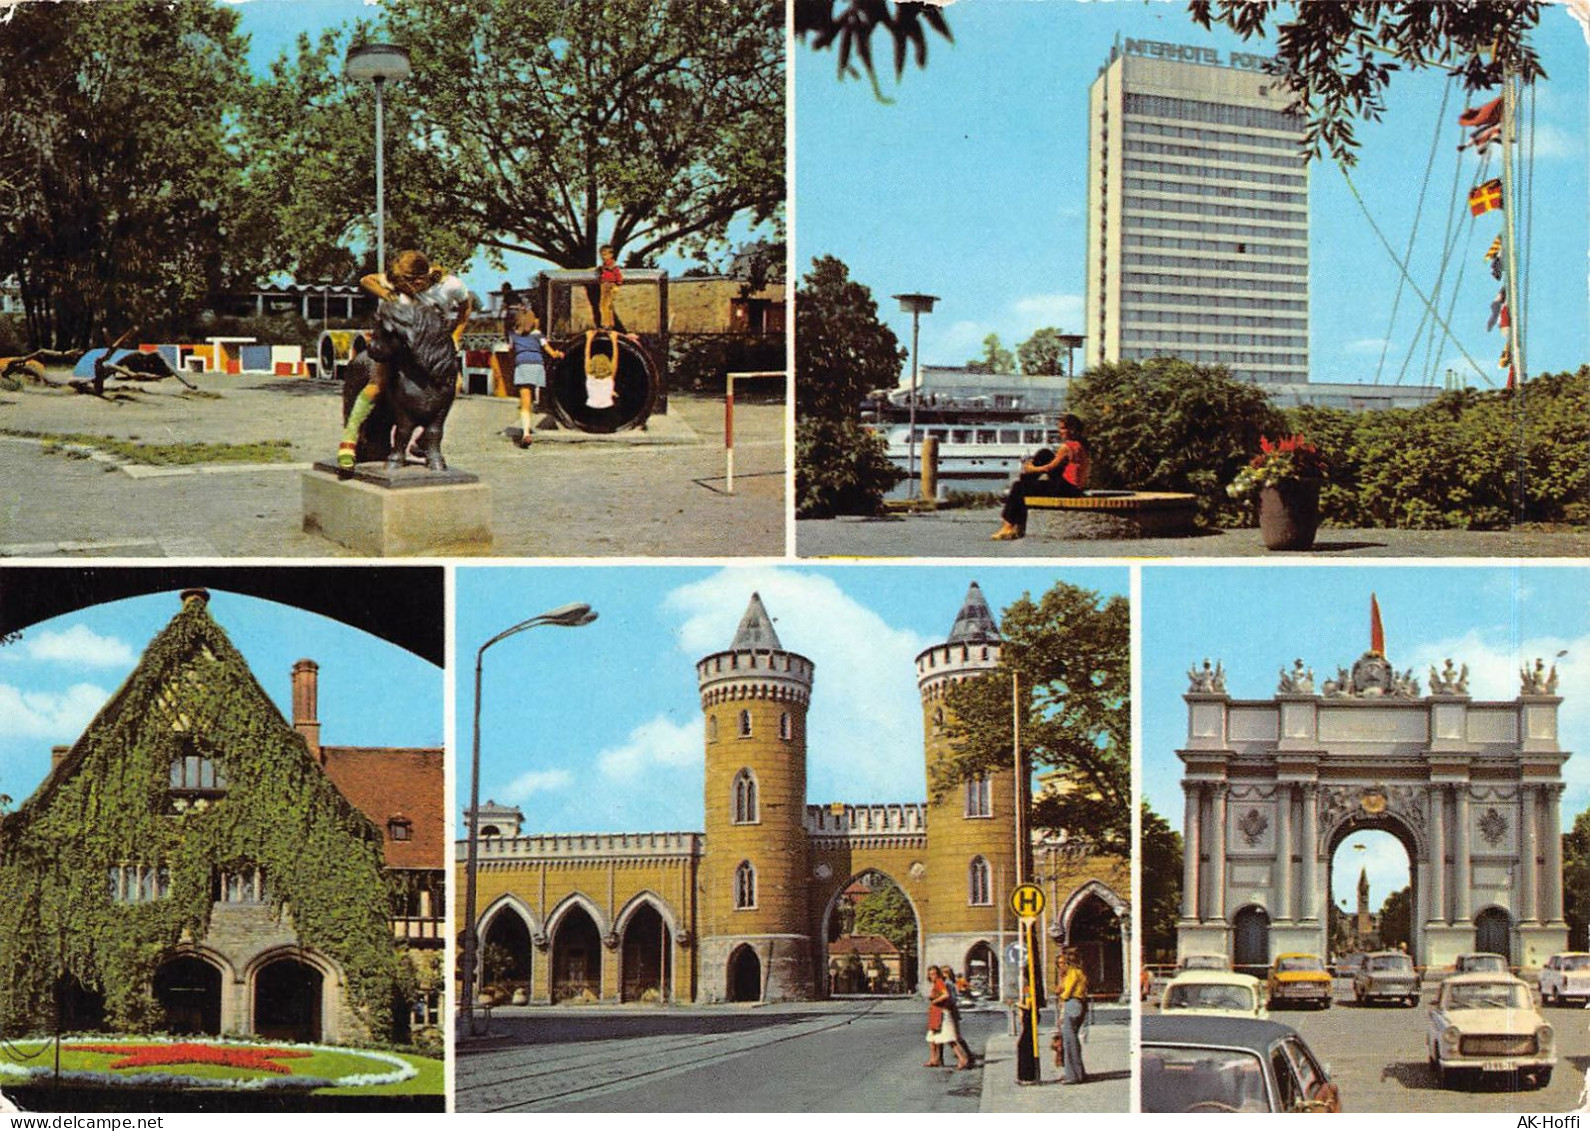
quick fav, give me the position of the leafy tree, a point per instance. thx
(1160, 851)
(847, 25)
(996, 358)
(1070, 650)
(842, 352)
(1396, 919)
(1576, 879)
(1043, 354)
(1339, 58)
(1169, 425)
(122, 167)
(886, 911)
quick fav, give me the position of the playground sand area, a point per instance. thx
(660, 492)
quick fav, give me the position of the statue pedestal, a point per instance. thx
(410, 512)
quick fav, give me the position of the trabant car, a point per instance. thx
(1387, 975)
(1224, 1064)
(1481, 962)
(1487, 1024)
(1214, 993)
(1565, 975)
(1299, 979)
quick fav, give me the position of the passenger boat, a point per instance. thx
(974, 455)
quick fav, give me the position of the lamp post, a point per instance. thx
(566, 616)
(376, 63)
(915, 306)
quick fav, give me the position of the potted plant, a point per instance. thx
(1285, 477)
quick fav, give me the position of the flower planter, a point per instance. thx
(1289, 514)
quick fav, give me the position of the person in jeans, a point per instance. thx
(1062, 473)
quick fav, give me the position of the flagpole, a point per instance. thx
(1515, 321)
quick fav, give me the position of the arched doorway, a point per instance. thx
(647, 960)
(576, 957)
(745, 974)
(80, 1009)
(871, 937)
(1250, 939)
(287, 1001)
(1371, 894)
(1493, 933)
(505, 953)
(1094, 932)
(982, 971)
(188, 990)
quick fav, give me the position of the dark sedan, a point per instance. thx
(1219, 1064)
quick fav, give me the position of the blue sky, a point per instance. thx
(598, 729)
(1257, 619)
(57, 677)
(972, 185)
(273, 27)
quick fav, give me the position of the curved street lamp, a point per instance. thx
(565, 616)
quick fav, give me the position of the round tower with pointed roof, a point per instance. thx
(755, 943)
(971, 847)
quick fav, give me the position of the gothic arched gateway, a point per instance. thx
(1472, 790)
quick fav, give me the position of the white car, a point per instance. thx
(1214, 993)
(1488, 1024)
(1565, 975)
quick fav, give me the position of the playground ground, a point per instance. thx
(640, 497)
(964, 533)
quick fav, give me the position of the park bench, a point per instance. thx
(1112, 514)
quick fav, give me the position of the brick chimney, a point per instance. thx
(306, 704)
(57, 753)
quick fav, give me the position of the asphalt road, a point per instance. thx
(834, 1056)
(1376, 1053)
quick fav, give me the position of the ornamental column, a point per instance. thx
(1189, 861)
(1462, 878)
(1217, 852)
(1552, 912)
(1283, 852)
(1310, 851)
(1529, 834)
(1438, 853)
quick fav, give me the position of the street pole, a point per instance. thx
(380, 180)
(915, 305)
(566, 616)
(376, 63)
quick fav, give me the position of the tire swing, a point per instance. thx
(597, 396)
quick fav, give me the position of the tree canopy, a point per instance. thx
(887, 912)
(1338, 59)
(848, 25)
(995, 358)
(1070, 650)
(1160, 853)
(1043, 354)
(117, 199)
(1576, 879)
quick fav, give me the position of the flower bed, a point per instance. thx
(234, 1065)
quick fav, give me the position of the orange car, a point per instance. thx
(1298, 979)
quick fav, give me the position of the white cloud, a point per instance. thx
(54, 716)
(79, 645)
(951, 345)
(1552, 142)
(537, 781)
(657, 742)
(865, 726)
(1364, 345)
(1062, 310)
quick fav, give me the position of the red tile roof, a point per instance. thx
(387, 782)
(861, 944)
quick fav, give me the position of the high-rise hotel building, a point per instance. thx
(1197, 213)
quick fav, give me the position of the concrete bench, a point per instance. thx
(1112, 514)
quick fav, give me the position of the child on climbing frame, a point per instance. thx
(610, 277)
(411, 281)
(523, 330)
(601, 369)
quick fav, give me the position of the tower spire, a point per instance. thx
(975, 623)
(755, 633)
(1377, 634)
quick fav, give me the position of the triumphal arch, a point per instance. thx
(1471, 788)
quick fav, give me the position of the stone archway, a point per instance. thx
(982, 970)
(1401, 829)
(576, 956)
(745, 974)
(1250, 939)
(1493, 933)
(289, 1001)
(188, 991)
(860, 911)
(1093, 930)
(645, 957)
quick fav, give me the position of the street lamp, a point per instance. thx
(915, 306)
(376, 63)
(566, 616)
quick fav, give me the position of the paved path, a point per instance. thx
(820, 1056)
(964, 534)
(556, 499)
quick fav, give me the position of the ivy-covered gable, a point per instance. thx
(188, 777)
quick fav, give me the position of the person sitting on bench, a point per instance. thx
(1062, 473)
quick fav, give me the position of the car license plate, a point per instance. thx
(1496, 1066)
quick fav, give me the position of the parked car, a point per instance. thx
(1565, 975)
(1298, 979)
(1222, 1064)
(1389, 976)
(1203, 962)
(1487, 1024)
(1348, 965)
(1214, 993)
(1481, 962)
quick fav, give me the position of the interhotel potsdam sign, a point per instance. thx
(1187, 53)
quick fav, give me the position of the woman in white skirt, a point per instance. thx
(942, 1029)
